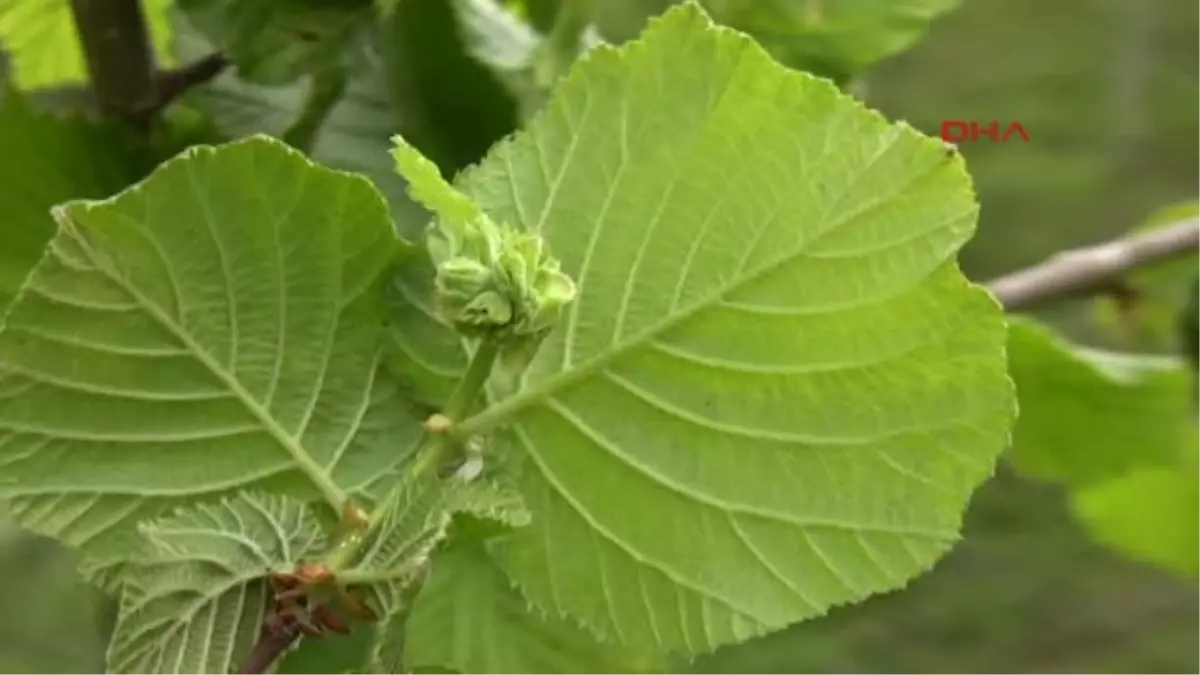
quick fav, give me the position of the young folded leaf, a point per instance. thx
(492, 281)
(196, 600)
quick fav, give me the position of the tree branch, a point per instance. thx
(171, 84)
(120, 58)
(124, 80)
(1094, 270)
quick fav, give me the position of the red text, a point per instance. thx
(959, 131)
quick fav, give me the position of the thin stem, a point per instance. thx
(470, 387)
(428, 454)
(1094, 270)
(173, 83)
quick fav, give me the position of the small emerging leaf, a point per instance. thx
(195, 600)
(493, 281)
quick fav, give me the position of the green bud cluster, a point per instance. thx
(497, 282)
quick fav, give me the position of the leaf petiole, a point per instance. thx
(427, 456)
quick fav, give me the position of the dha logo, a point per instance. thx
(958, 131)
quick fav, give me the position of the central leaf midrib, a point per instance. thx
(316, 473)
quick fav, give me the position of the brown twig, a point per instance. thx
(120, 58)
(1096, 269)
(270, 646)
(123, 77)
(170, 84)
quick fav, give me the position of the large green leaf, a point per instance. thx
(775, 392)
(411, 76)
(196, 600)
(42, 38)
(1088, 415)
(216, 327)
(469, 618)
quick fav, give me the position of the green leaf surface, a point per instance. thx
(195, 601)
(469, 618)
(41, 36)
(775, 391)
(45, 161)
(1088, 415)
(216, 327)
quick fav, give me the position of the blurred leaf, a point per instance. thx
(54, 622)
(279, 41)
(44, 161)
(1087, 415)
(41, 37)
(450, 106)
(832, 38)
(537, 13)
(413, 76)
(355, 135)
(503, 42)
(1150, 514)
(835, 38)
(1189, 325)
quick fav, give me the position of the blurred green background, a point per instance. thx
(1108, 90)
